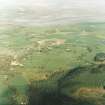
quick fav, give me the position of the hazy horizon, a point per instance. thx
(51, 11)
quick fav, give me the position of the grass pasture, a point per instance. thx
(43, 56)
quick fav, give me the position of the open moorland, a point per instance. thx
(56, 65)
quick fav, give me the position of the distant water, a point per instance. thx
(42, 12)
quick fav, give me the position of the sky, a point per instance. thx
(56, 3)
(51, 11)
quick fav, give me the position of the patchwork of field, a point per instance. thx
(38, 63)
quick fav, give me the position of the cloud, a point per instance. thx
(51, 10)
(57, 3)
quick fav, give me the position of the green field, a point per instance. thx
(38, 63)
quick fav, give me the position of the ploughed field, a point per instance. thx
(56, 65)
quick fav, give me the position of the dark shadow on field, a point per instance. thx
(92, 69)
(47, 96)
(38, 97)
(46, 92)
